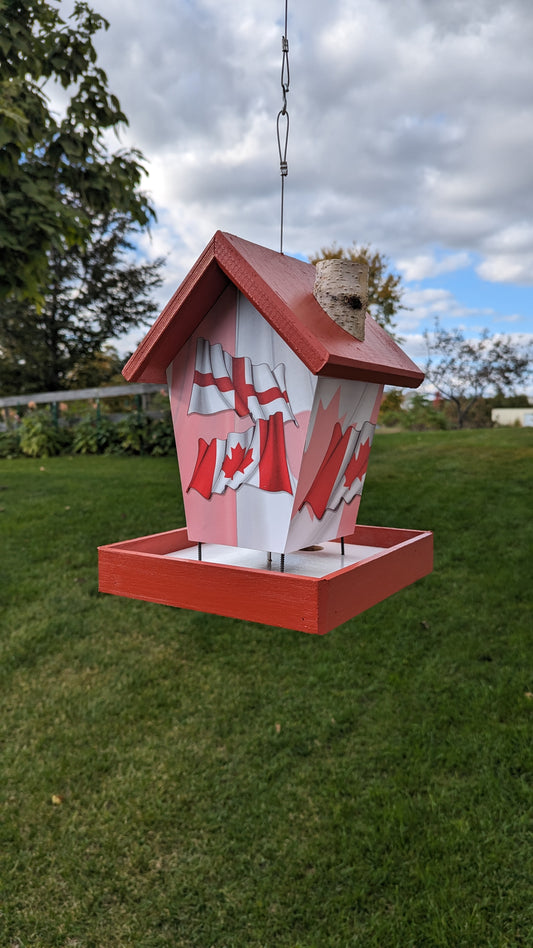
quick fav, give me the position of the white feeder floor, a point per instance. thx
(313, 563)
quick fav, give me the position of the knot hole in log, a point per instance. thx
(341, 289)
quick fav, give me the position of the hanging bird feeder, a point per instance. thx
(275, 374)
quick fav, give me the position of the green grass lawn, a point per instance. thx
(170, 778)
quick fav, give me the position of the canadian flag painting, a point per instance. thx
(256, 456)
(340, 476)
(333, 468)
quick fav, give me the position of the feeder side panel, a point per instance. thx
(335, 461)
(241, 401)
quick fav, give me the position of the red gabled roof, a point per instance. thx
(281, 289)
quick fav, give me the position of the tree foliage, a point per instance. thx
(465, 370)
(69, 209)
(55, 170)
(103, 367)
(93, 294)
(385, 290)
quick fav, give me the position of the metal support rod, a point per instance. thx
(282, 213)
(200, 552)
(342, 546)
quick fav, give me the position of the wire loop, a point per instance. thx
(283, 134)
(283, 141)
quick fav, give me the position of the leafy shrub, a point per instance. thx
(133, 434)
(9, 444)
(94, 436)
(39, 437)
(161, 442)
(391, 413)
(422, 416)
(391, 419)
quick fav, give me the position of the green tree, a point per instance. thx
(56, 173)
(385, 290)
(391, 410)
(103, 367)
(93, 294)
(467, 370)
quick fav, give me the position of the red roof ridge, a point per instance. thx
(281, 289)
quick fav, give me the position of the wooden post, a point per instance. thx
(341, 288)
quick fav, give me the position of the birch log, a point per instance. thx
(341, 288)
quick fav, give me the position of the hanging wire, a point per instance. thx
(282, 121)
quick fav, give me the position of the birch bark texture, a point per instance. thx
(341, 289)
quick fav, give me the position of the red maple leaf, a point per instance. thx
(357, 465)
(239, 460)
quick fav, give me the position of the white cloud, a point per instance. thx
(411, 128)
(426, 305)
(424, 266)
(508, 268)
(415, 346)
(512, 318)
(508, 255)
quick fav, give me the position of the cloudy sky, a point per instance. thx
(411, 128)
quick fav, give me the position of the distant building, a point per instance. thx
(509, 417)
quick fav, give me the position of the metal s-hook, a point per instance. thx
(283, 116)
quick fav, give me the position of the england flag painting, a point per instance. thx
(222, 381)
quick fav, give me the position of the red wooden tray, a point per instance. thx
(152, 568)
